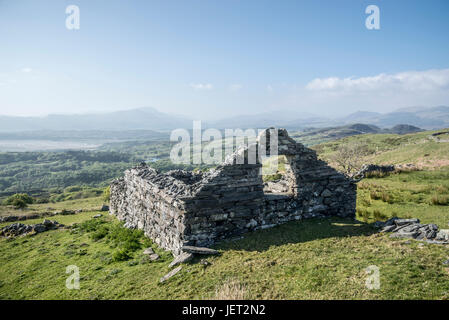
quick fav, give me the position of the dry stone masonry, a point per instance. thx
(181, 208)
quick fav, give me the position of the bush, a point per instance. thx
(19, 197)
(120, 255)
(125, 241)
(128, 239)
(42, 200)
(100, 233)
(19, 204)
(90, 225)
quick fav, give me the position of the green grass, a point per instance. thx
(311, 259)
(314, 259)
(417, 148)
(64, 219)
(87, 204)
(417, 194)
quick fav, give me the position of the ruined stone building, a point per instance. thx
(200, 208)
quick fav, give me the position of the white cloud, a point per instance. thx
(235, 87)
(382, 93)
(201, 86)
(26, 70)
(410, 81)
(269, 88)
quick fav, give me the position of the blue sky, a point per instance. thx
(210, 59)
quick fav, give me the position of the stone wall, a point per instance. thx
(184, 208)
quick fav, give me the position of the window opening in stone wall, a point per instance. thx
(278, 179)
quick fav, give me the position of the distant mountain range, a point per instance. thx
(422, 117)
(151, 119)
(313, 136)
(136, 119)
(428, 118)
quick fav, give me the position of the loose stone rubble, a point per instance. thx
(370, 168)
(12, 218)
(151, 254)
(413, 229)
(182, 208)
(20, 229)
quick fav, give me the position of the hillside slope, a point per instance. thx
(423, 149)
(310, 259)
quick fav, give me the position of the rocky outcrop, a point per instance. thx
(11, 218)
(20, 229)
(181, 208)
(370, 168)
(413, 229)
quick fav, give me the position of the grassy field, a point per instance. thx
(421, 149)
(312, 259)
(418, 194)
(316, 259)
(87, 204)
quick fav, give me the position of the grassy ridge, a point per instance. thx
(418, 148)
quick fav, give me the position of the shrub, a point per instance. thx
(90, 225)
(42, 200)
(128, 239)
(23, 197)
(19, 204)
(120, 255)
(124, 240)
(100, 233)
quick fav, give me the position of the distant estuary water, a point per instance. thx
(44, 145)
